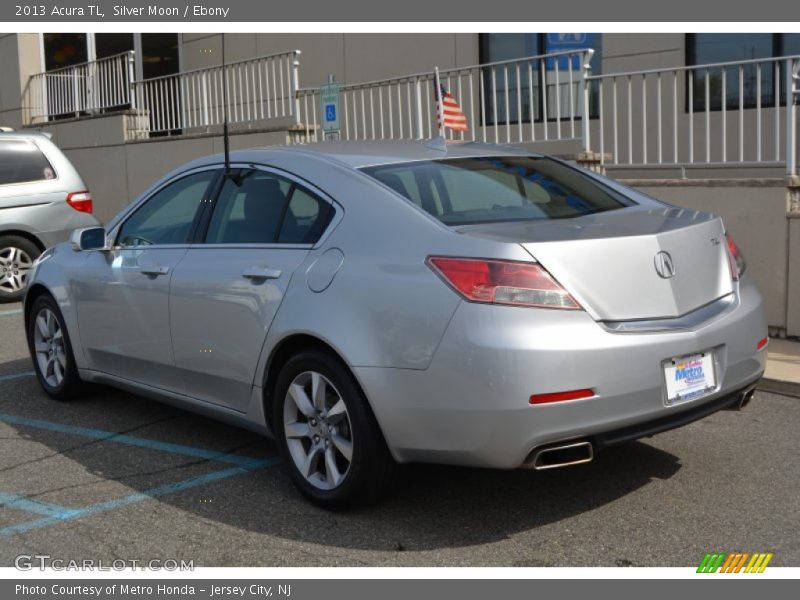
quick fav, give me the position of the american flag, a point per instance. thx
(454, 117)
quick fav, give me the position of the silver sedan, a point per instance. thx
(369, 304)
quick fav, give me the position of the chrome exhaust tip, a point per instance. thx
(744, 398)
(560, 455)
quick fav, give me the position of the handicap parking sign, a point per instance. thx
(330, 112)
(329, 97)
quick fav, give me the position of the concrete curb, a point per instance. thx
(777, 386)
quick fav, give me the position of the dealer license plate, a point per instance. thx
(689, 377)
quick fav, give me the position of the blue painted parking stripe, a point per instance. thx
(8, 313)
(12, 376)
(110, 436)
(30, 505)
(162, 490)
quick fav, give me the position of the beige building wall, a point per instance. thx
(117, 170)
(350, 57)
(19, 59)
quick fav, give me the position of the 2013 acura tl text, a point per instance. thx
(374, 303)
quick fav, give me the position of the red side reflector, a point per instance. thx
(762, 344)
(561, 396)
(80, 201)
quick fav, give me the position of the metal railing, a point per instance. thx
(729, 113)
(258, 89)
(86, 88)
(740, 112)
(503, 102)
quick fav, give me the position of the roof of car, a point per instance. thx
(371, 153)
(25, 134)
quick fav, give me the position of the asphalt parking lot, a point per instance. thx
(118, 476)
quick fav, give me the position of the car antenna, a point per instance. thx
(225, 134)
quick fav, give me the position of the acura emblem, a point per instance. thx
(664, 266)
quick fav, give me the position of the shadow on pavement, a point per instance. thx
(431, 507)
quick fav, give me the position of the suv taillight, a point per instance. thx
(503, 282)
(80, 201)
(735, 258)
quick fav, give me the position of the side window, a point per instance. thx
(249, 212)
(305, 219)
(21, 161)
(167, 216)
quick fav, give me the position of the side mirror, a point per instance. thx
(89, 238)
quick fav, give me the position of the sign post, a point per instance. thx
(329, 97)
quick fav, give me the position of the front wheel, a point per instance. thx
(327, 434)
(51, 350)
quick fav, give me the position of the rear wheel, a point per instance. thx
(53, 360)
(16, 260)
(328, 436)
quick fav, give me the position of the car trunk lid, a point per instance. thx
(628, 264)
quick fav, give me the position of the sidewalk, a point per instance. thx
(783, 368)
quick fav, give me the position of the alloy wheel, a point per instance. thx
(318, 432)
(48, 345)
(15, 264)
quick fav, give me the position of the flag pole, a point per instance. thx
(439, 104)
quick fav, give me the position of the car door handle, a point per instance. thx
(261, 273)
(154, 271)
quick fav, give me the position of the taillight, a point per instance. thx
(735, 258)
(80, 201)
(503, 282)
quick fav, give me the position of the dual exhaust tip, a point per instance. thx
(578, 452)
(744, 398)
(556, 456)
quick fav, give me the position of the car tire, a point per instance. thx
(51, 350)
(335, 452)
(16, 259)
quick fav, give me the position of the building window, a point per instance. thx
(111, 44)
(498, 47)
(160, 55)
(709, 48)
(64, 50)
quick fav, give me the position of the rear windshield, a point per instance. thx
(21, 161)
(462, 191)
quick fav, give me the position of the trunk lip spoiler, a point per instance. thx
(691, 320)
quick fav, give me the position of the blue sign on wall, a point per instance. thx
(564, 42)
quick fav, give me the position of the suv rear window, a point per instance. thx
(21, 161)
(462, 191)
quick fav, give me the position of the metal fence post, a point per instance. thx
(204, 87)
(75, 105)
(131, 82)
(420, 133)
(296, 85)
(586, 69)
(791, 122)
(45, 102)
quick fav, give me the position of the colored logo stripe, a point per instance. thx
(734, 562)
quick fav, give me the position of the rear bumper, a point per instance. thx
(670, 421)
(470, 407)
